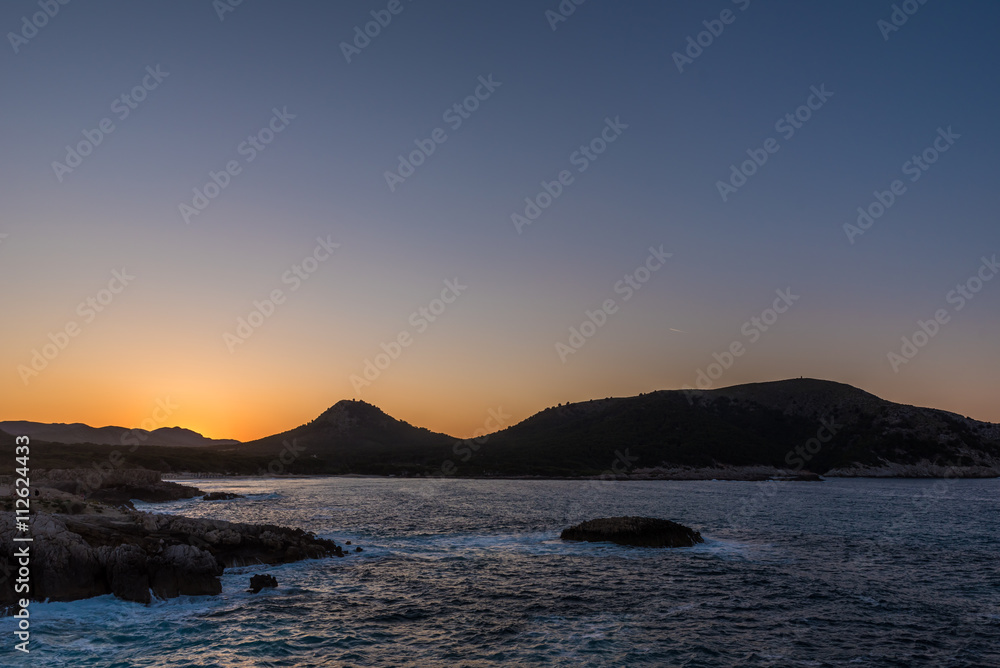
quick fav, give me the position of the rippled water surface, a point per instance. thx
(472, 573)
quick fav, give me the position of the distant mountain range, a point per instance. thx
(801, 424)
(791, 425)
(80, 433)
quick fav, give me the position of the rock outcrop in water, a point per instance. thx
(129, 554)
(221, 496)
(638, 531)
(258, 582)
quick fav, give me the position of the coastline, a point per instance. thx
(733, 474)
(85, 539)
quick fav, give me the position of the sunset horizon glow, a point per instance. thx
(460, 426)
(256, 222)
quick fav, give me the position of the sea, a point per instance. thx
(457, 572)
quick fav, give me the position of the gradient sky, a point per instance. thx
(161, 338)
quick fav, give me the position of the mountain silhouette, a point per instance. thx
(81, 433)
(798, 425)
(802, 424)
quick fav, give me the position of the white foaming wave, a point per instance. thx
(262, 496)
(724, 549)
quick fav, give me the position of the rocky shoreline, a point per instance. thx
(94, 543)
(115, 487)
(720, 473)
(919, 470)
(736, 473)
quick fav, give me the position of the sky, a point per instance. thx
(229, 218)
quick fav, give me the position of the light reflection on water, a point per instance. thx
(471, 572)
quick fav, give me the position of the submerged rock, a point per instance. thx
(222, 496)
(638, 531)
(258, 582)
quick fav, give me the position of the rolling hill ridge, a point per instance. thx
(789, 426)
(801, 424)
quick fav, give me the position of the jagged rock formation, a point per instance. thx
(638, 531)
(258, 582)
(129, 554)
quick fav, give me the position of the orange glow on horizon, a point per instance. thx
(247, 415)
